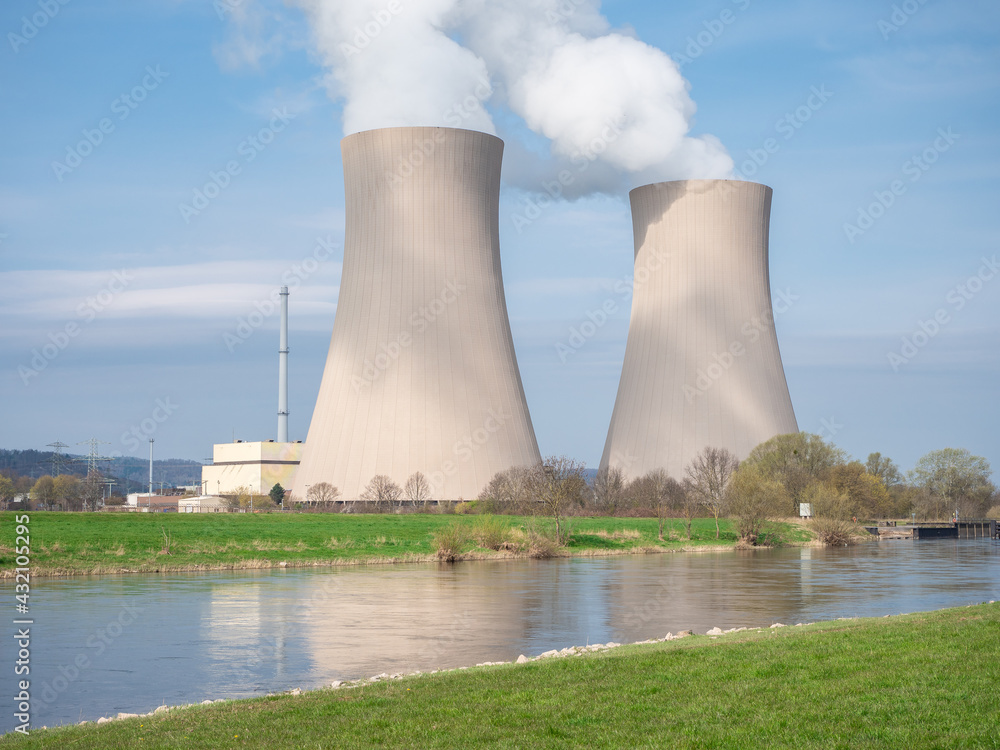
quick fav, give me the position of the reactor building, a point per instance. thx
(421, 373)
(702, 366)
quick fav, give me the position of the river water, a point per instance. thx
(132, 643)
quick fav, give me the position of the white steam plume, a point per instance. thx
(600, 97)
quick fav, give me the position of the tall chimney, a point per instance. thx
(421, 374)
(702, 366)
(283, 370)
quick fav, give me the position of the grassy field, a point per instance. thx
(927, 680)
(104, 543)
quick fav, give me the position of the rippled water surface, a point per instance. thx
(104, 645)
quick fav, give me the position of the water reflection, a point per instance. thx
(198, 636)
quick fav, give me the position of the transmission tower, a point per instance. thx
(58, 460)
(94, 476)
(94, 458)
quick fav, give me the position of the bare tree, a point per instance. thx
(560, 486)
(381, 492)
(609, 489)
(512, 489)
(322, 494)
(707, 477)
(417, 489)
(655, 491)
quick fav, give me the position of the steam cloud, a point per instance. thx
(599, 96)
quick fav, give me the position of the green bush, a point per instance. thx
(492, 533)
(449, 541)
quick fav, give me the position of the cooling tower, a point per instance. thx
(702, 366)
(421, 374)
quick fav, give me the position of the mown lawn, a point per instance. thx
(928, 680)
(101, 543)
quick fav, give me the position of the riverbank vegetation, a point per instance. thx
(110, 543)
(919, 680)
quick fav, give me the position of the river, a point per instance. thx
(131, 643)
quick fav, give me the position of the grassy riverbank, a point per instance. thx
(108, 543)
(922, 680)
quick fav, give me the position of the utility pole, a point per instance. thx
(151, 441)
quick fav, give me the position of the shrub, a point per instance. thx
(994, 513)
(449, 541)
(540, 541)
(835, 532)
(492, 533)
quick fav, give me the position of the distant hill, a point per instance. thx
(131, 473)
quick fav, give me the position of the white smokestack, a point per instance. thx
(283, 370)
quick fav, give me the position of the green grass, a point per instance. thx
(928, 680)
(104, 543)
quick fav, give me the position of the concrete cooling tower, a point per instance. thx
(702, 366)
(421, 374)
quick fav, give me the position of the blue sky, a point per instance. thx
(120, 312)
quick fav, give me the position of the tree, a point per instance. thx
(42, 492)
(322, 494)
(868, 495)
(90, 491)
(6, 491)
(67, 490)
(707, 477)
(560, 486)
(795, 461)
(752, 500)
(653, 491)
(511, 490)
(885, 469)
(954, 480)
(829, 502)
(381, 492)
(610, 489)
(277, 495)
(417, 489)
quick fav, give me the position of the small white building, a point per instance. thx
(202, 504)
(258, 466)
